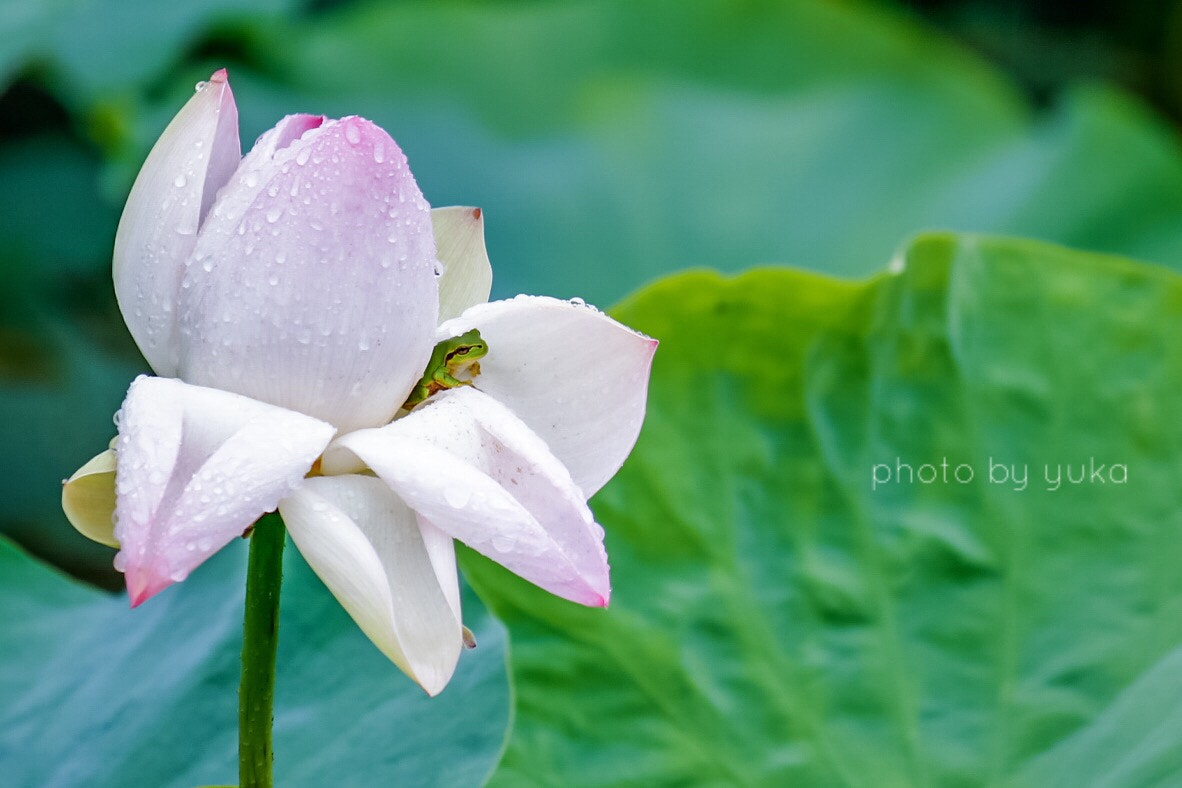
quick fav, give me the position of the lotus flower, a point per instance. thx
(288, 302)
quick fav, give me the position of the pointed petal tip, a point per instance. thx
(586, 593)
(596, 593)
(143, 583)
(432, 681)
(219, 76)
(595, 598)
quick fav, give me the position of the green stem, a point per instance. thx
(260, 638)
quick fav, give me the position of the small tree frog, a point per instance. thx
(451, 357)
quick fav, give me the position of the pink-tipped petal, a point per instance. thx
(467, 275)
(578, 378)
(471, 468)
(367, 548)
(269, 143)
(313, 283)
(144, 581)
(195, 467)
(191, 161)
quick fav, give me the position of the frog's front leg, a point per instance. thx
(443, 379)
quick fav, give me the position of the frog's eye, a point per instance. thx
(462, 351)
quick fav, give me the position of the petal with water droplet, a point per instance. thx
(365, 545)
(347, 327)
(195, 467)
(467, 276)
(472, 469)
(578, 378)
(172, 194)
(88, 499)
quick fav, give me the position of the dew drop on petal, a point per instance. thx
(456, 497)
(200, 86)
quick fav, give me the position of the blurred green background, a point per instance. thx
(611, 143)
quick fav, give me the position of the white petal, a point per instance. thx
(194, 468)
(578, 378)
(313, 284)
(467, 275)
(367, 548)
(442, 550)
(175, 188)
(471, 468)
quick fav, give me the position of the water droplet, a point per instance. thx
(457, 497)
(200, 86)
(379, 152)
(180, 181)
(578, 302)
(274, 214)
(250, 180)
(273, 280)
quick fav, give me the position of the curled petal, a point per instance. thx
(471, 468)
(193, 158)
(578, 378)
(441, 548)
(195, 467)
(367, 548)
(312, 285)
(88, 499)
(467, 275)
(269, 143)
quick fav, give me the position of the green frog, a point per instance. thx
(449, 358)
